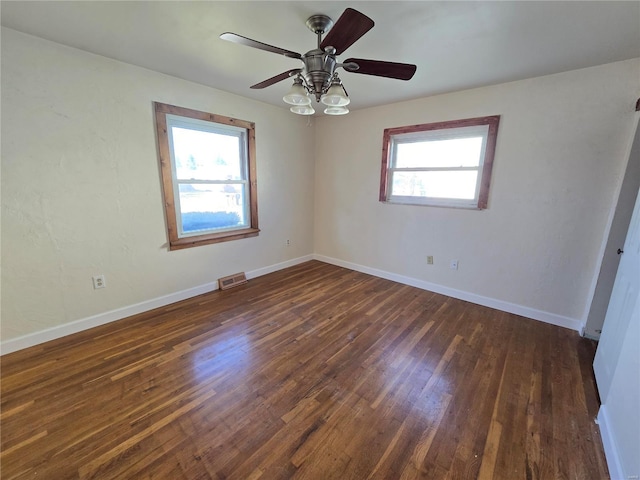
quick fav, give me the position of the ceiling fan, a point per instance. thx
(318, 76)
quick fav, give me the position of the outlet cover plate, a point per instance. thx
(99, 282)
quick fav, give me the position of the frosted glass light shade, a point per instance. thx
(335, 96)
(336, 110)
(297, 95)
(303, 109)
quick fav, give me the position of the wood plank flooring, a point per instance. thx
(314, 372)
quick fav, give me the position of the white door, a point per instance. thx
(621, 307)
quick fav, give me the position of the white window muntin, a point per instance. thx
(210, 127)
(473, 131)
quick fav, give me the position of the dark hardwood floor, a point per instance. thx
(313, 372)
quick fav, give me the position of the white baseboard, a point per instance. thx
(521, 310)
(610, 448)
(278, 266)
(32, 339)
(60, 331)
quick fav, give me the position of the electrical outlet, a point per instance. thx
(430, 260)
(453, 265)
(99, 282)
(287, 242)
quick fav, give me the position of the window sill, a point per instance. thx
(211, 238)
(460, 206)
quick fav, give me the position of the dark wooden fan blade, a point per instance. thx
(350, 27)
(401, 71)
(277, 78)
(235, 38)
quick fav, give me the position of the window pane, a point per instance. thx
(206, 155)
(211, 207)
(455, 152)
(439, 184)
(208, 168)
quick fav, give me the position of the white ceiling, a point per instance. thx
(456, 45)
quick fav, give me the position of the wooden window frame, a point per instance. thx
(487, 165)
(175, 241)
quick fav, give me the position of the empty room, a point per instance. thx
(320, 240)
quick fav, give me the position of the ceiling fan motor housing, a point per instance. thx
(319, 68)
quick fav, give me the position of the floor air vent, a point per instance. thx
(232, 281)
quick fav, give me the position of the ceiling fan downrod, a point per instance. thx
(319, 24)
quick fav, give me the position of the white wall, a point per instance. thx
(616, 233)
(81, 188)
(559, 160)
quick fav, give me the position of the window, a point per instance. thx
(444, 164)
(209, 176)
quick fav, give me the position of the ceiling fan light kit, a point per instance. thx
(336, 95)
(297, 94)
(303, 110)
(319, 77)
(336, 110)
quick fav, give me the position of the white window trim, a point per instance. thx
(209, 127)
